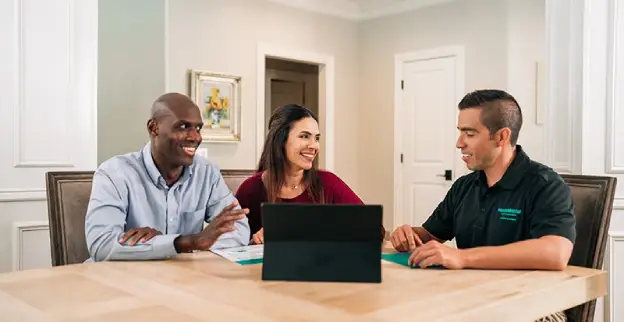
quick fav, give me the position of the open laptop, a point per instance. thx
(322, 242)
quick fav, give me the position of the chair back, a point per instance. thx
(593, 204)
(68, 197)
(234, 178)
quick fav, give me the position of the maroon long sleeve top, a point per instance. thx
(252, 193)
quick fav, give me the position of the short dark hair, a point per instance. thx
(498, 110)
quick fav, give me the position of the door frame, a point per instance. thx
(399, 60)
(326, 94)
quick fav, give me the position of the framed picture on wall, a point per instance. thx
(218, 97)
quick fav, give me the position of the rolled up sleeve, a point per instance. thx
(553, 212)
(105, 222)
(221, 197)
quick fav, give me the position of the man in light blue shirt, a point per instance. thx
(152, 204)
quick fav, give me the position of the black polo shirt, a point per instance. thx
(530, 201)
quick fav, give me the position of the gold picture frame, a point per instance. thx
(218, 97)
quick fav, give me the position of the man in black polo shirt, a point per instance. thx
(509, 213)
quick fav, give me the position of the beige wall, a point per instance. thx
(502, 40)
(499, 53)
(222, 36)
(131, 72)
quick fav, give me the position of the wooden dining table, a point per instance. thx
(206, 287)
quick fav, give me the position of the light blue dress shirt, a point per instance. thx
(129, 192)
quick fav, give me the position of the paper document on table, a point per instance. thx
(243, 255)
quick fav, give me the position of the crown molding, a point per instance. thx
(349, 9)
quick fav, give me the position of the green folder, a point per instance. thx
(402, 259)
(250, 261)
(398, 258)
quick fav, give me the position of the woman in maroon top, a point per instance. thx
(287, 171)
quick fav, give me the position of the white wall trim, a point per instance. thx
(614, 78)
(326, 117)
(399, 60)
(614, 237)
(618, 203)
(19, 228)
(350, 9)
(18, 194)
(87, 82)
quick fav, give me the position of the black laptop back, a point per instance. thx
(320, 242)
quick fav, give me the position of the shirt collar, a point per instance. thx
(153, 171)
(515, 171)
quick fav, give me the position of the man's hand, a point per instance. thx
(135, 235)
(435, 253)
(258, 238)
(222, 223)
(405, 239)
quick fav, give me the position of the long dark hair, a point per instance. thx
(273, 159)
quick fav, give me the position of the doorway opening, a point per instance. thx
(289, 82)
(287, 75)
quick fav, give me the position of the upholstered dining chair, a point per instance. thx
(68, 195)
(593, 204)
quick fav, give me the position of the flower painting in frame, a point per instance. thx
(218, 97)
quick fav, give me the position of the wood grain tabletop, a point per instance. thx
(205, 287)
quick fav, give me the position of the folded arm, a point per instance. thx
(105, 222)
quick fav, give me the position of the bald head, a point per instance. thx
(173, 109)
(170, 104)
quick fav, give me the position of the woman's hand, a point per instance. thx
(258, 238)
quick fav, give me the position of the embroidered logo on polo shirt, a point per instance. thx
(509, 214)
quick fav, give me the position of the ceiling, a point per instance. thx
(360, 9)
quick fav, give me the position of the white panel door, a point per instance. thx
(429, 105)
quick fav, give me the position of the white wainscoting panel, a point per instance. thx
(31, 245)
(44, 90)
(564, 85)
(48, 76)
(584, 76)
(615, 96)
(48, 110)
(616, 276)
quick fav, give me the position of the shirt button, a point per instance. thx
(482, 209)
(171, 220)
